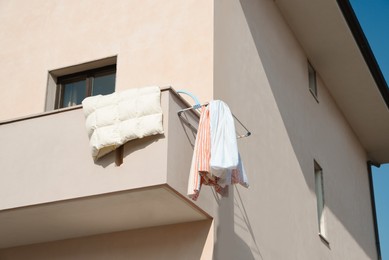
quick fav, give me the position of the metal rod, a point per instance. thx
(248, 133)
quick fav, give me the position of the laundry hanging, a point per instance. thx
(216, 160)
(114, 119)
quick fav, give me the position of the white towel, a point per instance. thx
(224, 148)
(225, 160)
(112, 120)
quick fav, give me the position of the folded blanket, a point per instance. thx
(112, 120)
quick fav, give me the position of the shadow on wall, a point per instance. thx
(273, 53)
(178, 241)
(129, 148)
(232, 214)
(189, 125)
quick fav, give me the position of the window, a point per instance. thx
(319, 188)
(73, 88)
(312, 80)
(68, 86)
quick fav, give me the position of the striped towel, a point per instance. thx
(194, 184)
(200, 169)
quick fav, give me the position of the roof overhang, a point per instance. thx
(335, 44)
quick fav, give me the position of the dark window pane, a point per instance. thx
(312, 79)
(103, 85)
(74, 93)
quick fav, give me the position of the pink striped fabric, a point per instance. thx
(200, 172)
(204, 139)
(199, 155)
(200, 169)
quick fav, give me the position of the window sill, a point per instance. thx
(324, 240)
(314, 95)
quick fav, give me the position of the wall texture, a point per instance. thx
(241, 51)
(261, 71)
(165, 43)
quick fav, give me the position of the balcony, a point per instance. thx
(51, 189)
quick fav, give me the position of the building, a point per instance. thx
(297, 73)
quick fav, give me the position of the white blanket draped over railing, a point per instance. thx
(114, 119)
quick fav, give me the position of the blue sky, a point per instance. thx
(381, 190)
(373, 16)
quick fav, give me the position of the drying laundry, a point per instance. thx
(216, 160)
(225, 162)
(112, 120)
(200, 169)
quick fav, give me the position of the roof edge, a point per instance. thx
(364, 47)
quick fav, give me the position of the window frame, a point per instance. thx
(320, 202)
(86, 75)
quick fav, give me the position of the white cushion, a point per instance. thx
(114, 119)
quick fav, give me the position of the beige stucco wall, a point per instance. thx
(166, 43)
(261, 71)
(240, 51)
(182, 241)
(57, 163)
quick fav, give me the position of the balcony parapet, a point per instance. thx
(51, 188)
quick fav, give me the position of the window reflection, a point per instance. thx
(103, 85)
(74, 88)
(74, 93)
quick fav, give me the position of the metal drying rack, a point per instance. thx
(195, 110)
